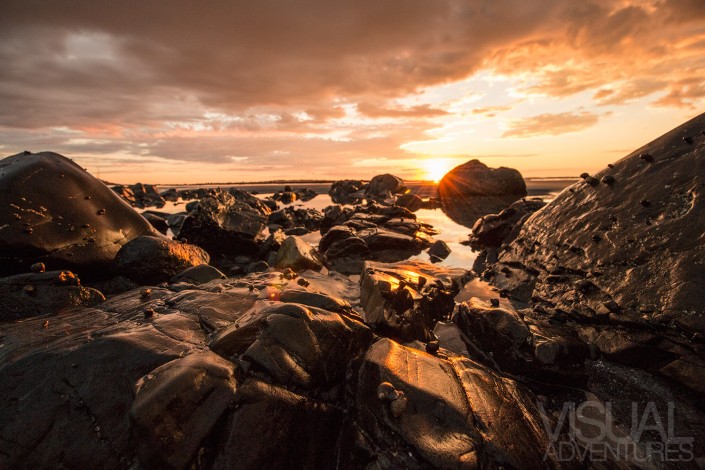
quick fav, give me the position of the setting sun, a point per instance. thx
(436, 168)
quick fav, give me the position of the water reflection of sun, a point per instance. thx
(436, 168)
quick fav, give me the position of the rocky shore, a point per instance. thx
(235, 343)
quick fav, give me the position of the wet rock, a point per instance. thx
(257, 266)
(151, 260)
(495, 229)
(452, 401)
(383, 187)
(254, 202)
(472, 190)
(297, 255)
(397, 303)
(273, 427)
(638, 240)
(297, 345)
(347, 191)
(474, 178)
(66, 231)
(160, 224)
(177, 405)
(33, 294)
(439, 251)
(74, 379)
(410, 201)
(224, 226)
(199, 274)
(171, 195)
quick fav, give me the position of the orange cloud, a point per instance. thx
(550, 124)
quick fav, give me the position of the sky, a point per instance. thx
(175, 91)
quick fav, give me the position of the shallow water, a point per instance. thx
(452, 233)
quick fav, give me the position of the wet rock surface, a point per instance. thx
(152, 260)
(56, 213)
(276, 361)
(629, 261)
(472, 190)
(225, 226)
(373, 231)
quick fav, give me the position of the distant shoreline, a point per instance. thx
(535, 179)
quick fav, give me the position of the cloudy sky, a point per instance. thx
(242, 90)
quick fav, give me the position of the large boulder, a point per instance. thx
(296, 254)
(347, 191)
(383, 187)
(471, 190)
(151, 260)
(637, 252)
(55, 212)
(225, 225)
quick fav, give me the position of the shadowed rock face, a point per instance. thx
(151, 260)
(55, 212)
(628, 242)
(224, 225)
(472, 190)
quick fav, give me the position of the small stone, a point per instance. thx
(146, 293)
(387, 392)
(592, 181)
(148, 312)
(45, 324)
(38, 268)
(596, 238)
(645, 202)
(608, 180)
(289, 273)
(303, 282)
(85, 225)
(584, 175)
(609, 165)
(647, 157)
(494, 302)
(688, 140)
(28, 230)
(422, 282)
(398, 406)
(101, 212)
(432, 347)
(87, 198)
(29, 289)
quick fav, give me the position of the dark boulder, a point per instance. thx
(410, 201)
(645, 260)
(296, 254)
(199, 274)
(383, 187)
(472, 190)
(409, 402)
(57, 213)
(405, 300)
(224, 226)
(347, 191)
(438, 251)
(159, 223)
(474, 178)
(177, 405)
(152, 260)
